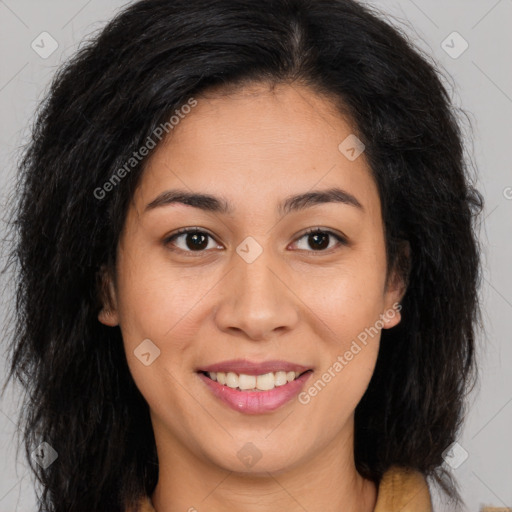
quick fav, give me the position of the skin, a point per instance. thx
(254, 147)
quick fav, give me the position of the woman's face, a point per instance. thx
(251, 284)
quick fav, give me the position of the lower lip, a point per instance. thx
(256, 402)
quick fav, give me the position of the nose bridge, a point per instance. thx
(257, 277)
(257, 283)
(256, 302)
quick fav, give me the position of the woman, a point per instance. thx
(247, 268)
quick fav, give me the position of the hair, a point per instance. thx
(102, 106)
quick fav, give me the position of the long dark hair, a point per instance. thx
(102, 106)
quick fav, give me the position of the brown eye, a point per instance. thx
(191, 240)
(197, 240)
(319, 240)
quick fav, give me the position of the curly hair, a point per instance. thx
(106, 101)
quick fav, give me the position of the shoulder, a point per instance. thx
(403, 489)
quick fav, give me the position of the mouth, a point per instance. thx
(254, 383)
(255, 393)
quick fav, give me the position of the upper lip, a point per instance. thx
(253, 368)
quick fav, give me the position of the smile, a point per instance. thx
(255, 394)
(244, 382)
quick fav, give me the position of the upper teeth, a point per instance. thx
(261, 382)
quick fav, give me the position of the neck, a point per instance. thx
(327, 482)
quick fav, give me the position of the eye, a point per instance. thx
(318, 239)
(195, 240)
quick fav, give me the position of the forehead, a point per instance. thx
(258, 145)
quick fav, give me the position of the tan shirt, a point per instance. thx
(400, 490)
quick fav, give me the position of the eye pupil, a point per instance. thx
(317, 236)
(197, 244)
(197, 241)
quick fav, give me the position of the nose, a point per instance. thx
(257, 299)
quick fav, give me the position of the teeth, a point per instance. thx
(245, 382)
(280, 378)
(232, 380)
(266, 382)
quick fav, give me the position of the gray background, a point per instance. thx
(481, 84)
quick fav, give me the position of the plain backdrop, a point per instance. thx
(471, 41)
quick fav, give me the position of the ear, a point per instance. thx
(107, 297)
(396, 286)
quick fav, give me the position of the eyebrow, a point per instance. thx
(210, 203)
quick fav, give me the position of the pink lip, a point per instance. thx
(252, 368)
(256, 402)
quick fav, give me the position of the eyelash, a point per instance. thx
(167, 242)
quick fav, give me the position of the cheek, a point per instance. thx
(348, 346)
(348, 298)
(333, 395)
(159, 304)
(155, 298)
(161, 301)
(350, 314)
(346, 309)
